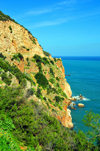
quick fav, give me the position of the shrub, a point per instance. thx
(52, 80)
(55, 59)
(57, 79)
(15, 71)
(52, 62)
(51, 90)
(4, 17)
(38, 93)
(28, 62)
(33, 126)
(46, 53)
(51, 72)
(25, 48)
(2, 56)
(33, 40)
(45, 61)
(10, 28)
(30, 92)
(17, 57)
(41, 80)
(58, 99)
(5, 78)
(38, 61)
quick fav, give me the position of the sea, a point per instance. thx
(83, 75)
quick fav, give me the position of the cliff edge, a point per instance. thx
(24, 63)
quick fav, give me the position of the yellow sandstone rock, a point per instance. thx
(80, 105)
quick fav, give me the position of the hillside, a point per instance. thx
(21, 49)
(34, 94)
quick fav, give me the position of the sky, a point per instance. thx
(62, 27)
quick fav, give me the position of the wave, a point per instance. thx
(79, 99)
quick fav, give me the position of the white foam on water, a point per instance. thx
(86, 99)
(78, 98)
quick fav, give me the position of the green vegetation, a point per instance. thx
(92, 120)
(25, 48)
(46, 53)
(57, 79)
(10, 28)
(51, 90)
(30, 92)
(58, 99)
(41, 80)
(52, 80)
(15, 71)
(4, 17)
(51, 72)
(40, 60)
(2, 56)
(34, 127)
(28, 62)
(52, 62)
(17, 57)
(33, 40)
(5, 78)
(39, 94)
(25, 122)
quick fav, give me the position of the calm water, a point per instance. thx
(85, 80)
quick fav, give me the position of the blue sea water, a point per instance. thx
(84, 79)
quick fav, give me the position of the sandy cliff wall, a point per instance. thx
(15, 39)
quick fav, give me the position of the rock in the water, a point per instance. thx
(80, 105)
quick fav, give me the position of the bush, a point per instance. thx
(58, 99)
(28, 62)
(41, 80)
(57, 79)
(51, 72)
(2, 56)
(52, 62)
(52, 80)
(46, 53)
(4, 17)
(32, 126)
(17, 57)
(38, 93)
(5, 78)
(30, 92)
(40, 60)
(15, 71)
(45, 61)
(10, 28)
(51, 90)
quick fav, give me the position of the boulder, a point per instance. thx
(80, 105)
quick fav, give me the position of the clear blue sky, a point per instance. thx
(62, 27)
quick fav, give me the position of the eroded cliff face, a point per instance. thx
(15, 39)
(65, 117)
(19, 48)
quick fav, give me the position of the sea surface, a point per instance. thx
(83, 75)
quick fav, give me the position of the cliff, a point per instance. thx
(24, 63)
(34, 96)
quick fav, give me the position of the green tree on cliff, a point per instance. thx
(92, 120)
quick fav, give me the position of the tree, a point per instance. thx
(92, 120)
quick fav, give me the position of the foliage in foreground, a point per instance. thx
(92, 120)
(29, 124)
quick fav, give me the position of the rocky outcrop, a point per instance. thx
(18, 47)
(16, 39)
(80, 105)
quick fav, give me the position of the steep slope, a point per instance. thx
(45, 75)
(34, 96)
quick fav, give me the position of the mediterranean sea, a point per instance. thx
(83, 75)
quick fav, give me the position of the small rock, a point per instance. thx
(80, 105)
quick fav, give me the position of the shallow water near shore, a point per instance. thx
(84, 79)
